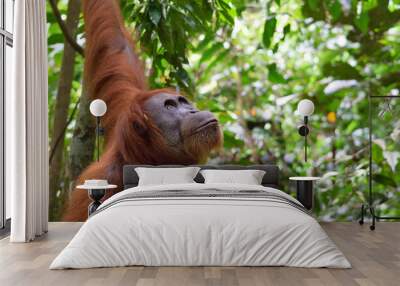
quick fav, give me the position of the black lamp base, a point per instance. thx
(95, 195)
(305, 193)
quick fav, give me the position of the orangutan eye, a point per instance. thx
(183, 100)
(170, 104)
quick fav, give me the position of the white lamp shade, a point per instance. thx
(98, 107)
(305, 107)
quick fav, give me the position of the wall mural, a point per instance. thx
(142, 126)
(193, 82)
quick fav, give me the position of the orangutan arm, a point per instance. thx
(77, 206)
(112, 68)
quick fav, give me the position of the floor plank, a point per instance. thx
(375, 257)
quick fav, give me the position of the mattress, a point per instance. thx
(201, 225)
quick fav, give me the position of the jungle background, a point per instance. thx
(250, 63)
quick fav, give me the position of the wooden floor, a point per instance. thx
(375, 257)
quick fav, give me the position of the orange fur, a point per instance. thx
(114, 73)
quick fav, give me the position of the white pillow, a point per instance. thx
(165, 176)
(248, 177)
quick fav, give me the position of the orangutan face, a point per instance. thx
(184, 127)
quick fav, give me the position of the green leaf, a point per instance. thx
(228, 18)
(55, 39)
(276, 47)
(58, 58)
(351, 127)
(166, 38)
(335, 9)
(341, 70)
(384, 180)
(274, 75)
(269, 30)
(278, 2)
(218, 59)
(286, 29)
(225, 117)
(155, 15)
(210, 52)
(230, 140)
(50, 17)
(362, 22)
(226, 12)
(203, 43)
(215, 106)
(369, 4)
(313, 4)
(183, 77)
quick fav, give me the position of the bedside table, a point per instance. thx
(304, 193)
(96, 193)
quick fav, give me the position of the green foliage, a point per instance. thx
(362, 22)
(166, 30)
(273, 75)
(269, 30)
(250, 62)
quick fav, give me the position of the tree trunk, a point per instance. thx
(61, 113)
(83, 141)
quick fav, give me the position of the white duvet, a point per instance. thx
(204, 231)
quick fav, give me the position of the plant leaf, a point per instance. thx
(155, 15)
(55, 39)
(335, 9)
(312, 4)
(362, 22)
(341, 70)
(269, 30)
(210, 52)
(391, 158)
(286, 29)
(274, 75)
(231, 141)
(384, 180)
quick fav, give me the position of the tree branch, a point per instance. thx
(64, 29)
(61, 136)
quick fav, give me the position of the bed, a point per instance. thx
(197, 224)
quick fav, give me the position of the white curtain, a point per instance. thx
(26, 124)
